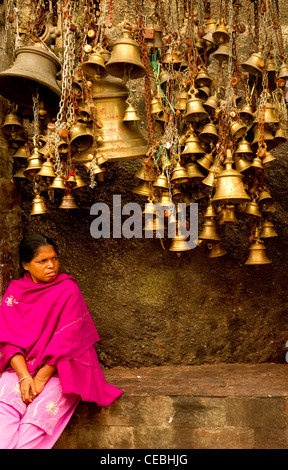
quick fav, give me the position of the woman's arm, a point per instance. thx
(42, 376)
(26, 382)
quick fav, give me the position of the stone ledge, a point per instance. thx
(242, 406)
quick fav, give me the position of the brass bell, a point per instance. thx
(68, 202)
(209, 232)
(34, 164)
(35, 68)
(266, 198)
(268, 158)
(270, 114)
(179, 244)
(280, 136)
(241, 164)
(206, 161)
(209, 133)
(202, 79)
(194, 172)
(153, 224)
(222, 53)
(213, 171)
(246, 114)
(252, 209)
(221, 35)
(283, 71)
(161, 181)
(203, 93)
(194, 110)
(131, 114)
(216, 250)
(211, 104)
(228, 215)
(210, 211)
(257, 254)
(149, 208)
(192, 146)
(270, 66)
(80, 183)
(80, 137)
(267, 230)
(94, 67)
(47, 169)
(171, 57)
(181, 102)
(125, 58)
(85, 114)
(58, 183)
(243, 147)
(254, 65)
(12, 125)
(142, 189)
(146, 173)
(179, 174)
(229, 184)
(38, 205)
(238, 129)
(83, 157)
(63, 147)
(22, 153)
(257, 163)
(210, 27)
(268, 138)
(20, 173)
(164, 199)
(156, 106)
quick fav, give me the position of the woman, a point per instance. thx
(48, 359)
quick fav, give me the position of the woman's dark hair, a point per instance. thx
(30, 245)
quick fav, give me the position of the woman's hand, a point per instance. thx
(27, 389)
(39, 385)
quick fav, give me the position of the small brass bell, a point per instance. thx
(268, 138)
(85, 114)
(58, 183)
(257, 163)
(125, 58)
(228, 215)
(22, 153)
(194, 109)
(210, 211)
(267, 230)
(68, 202)
(164, 199)
(20, 173)
(241, 164)
(80, 137)
(209, 232)
(238, 129)
(47, 169)
(254, 65)
(142, 189)
(257, 254)
(229, 184)
(202, 79)
(12, 125)
(246, 114)
(182, 99)
(192, 146)
(94, 67)
(131, 114)
(38, 205)
(222, 53)
(80, 183)
(280, 136)
(243, 147)
(283, 71)
(216, 250)
(252, 209)
(266, 198)
(171, 57)
(206, 161)
(179, 174)
(210, 179)
(269, 158)
(34, 164)
(179, 244)
(221, 35)
(83, 157)
(194, 172)
(153, 224)
(270, 114)
(149, 208)
(210, 27)
(161, 181)
(145, 173)
(211, 104)
(209, 133)
(156, 106)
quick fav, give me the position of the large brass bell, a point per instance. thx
(267, 230)
(119, 139)
(94, 67)
(229, 184)
(209, 232)
(35, 68)
(68, 202)
(194, 109)
(12, 125)
(80, 137)
(254, 65)
(257, 254)
(143, 188)
(34, 164)
(125, 61)
(146, 173)
(38, 205)
(194, 172)
(268, 138)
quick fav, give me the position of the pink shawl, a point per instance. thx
(49, 323)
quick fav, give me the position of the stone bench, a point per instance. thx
(226, 406)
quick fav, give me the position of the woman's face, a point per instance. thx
(44, 266)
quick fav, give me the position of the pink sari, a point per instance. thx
(49, 323)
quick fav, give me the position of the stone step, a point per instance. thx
(224, 406)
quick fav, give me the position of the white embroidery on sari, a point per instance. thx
(10, 301)
(72, 323)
